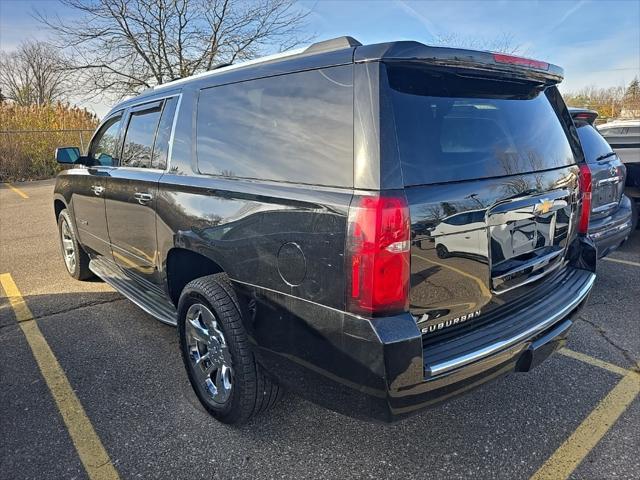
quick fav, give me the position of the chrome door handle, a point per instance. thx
(143, 197)
(97, 189)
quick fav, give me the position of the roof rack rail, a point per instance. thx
(323, 46)
(221, 65)
(333, 44)
(232, 66)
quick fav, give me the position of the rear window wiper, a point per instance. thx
(605, 156)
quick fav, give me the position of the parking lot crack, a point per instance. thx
(629, 357)
(78, 307)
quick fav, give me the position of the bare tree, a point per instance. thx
(124, 46)
(33, 74)
(503, 43)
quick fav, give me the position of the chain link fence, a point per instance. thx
(29, 154)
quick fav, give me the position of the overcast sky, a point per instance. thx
(596, 42)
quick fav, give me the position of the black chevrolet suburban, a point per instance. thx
(376, 228)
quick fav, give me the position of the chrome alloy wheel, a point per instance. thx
(209, 354)
(68, 246)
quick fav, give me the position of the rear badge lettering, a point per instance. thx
(450, 322)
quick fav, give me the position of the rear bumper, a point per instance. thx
(383, 369)
(610, 232)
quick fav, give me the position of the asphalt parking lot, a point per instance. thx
(119, 404)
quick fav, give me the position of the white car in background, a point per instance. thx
(624, 138)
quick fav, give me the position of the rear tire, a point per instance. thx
(215, 348)
(75, 258)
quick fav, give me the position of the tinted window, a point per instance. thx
(138, 141)
(295, 127)
(161, 146)
(593, 145)
(104, 147)
(633, 131)
(452, 128)
(459, 219)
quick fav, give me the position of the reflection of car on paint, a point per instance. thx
(273, 212)
(612, 217)
(461, 234)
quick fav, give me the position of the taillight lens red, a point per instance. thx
(378, 258)
(585, 189)
(520, 61)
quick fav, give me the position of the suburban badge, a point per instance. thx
(450, 322)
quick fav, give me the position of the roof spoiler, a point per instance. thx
(583, 114)
(518, 68)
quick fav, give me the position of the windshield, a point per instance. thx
(452, 128)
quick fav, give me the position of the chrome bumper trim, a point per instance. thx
(443, 367)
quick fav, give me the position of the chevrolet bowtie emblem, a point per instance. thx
(542, 207)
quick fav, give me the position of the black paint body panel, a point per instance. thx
(282, 244)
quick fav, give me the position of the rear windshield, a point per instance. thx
(452, 128)
(593, 145)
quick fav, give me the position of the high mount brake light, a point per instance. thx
(378, 257)
(586, 116)
(520, 61)
(585, 189)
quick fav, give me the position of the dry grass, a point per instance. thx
(30, 135)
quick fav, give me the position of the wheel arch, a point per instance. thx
(184, 265)
(58, 205)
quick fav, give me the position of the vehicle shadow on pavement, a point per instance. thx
(126, 370)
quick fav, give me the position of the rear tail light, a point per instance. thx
(520, 61)
(585, 189)
(378, 256)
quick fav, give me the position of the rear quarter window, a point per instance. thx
(452, 128)
(296, 128)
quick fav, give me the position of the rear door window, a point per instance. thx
(161, 145)
(141, 133)
(452, 128)
(296, 127)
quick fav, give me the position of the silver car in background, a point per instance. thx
(624, 138)
(611, 219)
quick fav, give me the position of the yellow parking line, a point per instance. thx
(92, 453)
(17, 190)
(569, 455)
(626, 262)
(593, 361)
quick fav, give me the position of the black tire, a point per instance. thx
(252, 391)
(634, 214)
(80, 269)
(442, 251)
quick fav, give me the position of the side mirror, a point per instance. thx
(67, 155)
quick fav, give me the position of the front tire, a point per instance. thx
(75, 258)
(215, 349)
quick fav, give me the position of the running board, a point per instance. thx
(150, 301)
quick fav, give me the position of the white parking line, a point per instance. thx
(626, 262)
